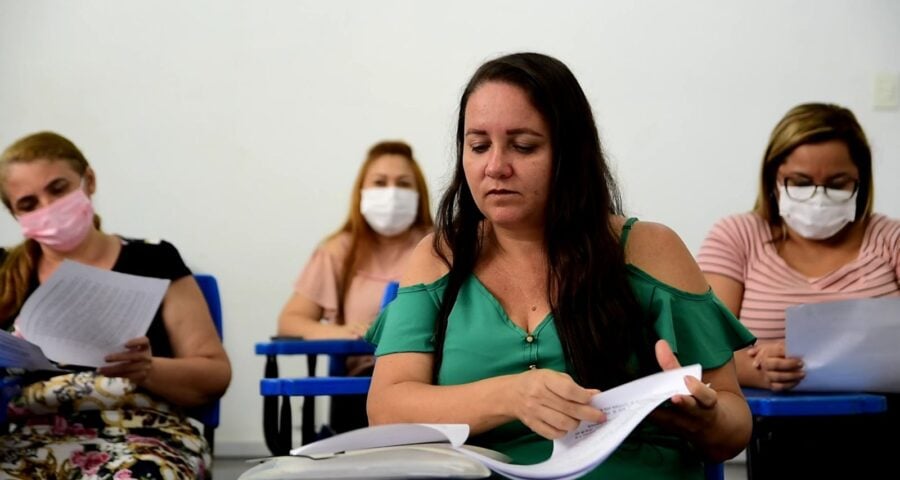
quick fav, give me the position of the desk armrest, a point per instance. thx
(314, 386)
(798, 404)
(315, 347)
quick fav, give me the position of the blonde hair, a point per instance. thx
(807, 124)
(20, 265)
(362, 237)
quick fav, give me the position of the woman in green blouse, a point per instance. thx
(536, 293)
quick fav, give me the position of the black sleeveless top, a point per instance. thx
(146, 259)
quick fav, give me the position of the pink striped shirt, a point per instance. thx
(740, 247)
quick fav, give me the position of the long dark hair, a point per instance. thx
(605, 337)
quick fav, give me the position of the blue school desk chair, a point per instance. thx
(9, 388)
(775, 411)
(208, 414)
(277, 392)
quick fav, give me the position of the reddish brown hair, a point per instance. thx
(362, 237)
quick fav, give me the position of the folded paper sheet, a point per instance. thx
(846, 346)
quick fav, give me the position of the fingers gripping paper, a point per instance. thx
(580, 451)
(81, 313)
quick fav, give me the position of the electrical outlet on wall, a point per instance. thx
(886, 94)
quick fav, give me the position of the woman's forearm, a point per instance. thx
(298, 326)
(188, 382)
(482, 404)
(748, 375)
(729, 433)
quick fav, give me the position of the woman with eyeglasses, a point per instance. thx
(811, 237)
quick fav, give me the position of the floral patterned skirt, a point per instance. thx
(87, 426)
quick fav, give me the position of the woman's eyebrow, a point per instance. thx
(524, 131)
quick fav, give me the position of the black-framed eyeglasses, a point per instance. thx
(803, 189)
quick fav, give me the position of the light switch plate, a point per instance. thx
(886, 94)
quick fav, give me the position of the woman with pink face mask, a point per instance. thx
(124, 419)
(339, 291)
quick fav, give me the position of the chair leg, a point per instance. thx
(276, 425)
(285, 426)
(308, 415)
(209, 434)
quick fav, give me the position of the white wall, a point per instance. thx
(234, 128)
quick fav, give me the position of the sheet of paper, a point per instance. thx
(81, 313)
(848, 346)
(17, 352)
(590, 444)
(387, 435)
(409, 461)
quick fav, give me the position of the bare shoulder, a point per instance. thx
(425, 265)
(659, 251)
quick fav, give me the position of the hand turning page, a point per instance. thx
(373, 452)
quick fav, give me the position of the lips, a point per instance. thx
(501, 191)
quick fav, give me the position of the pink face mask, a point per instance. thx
(63, 224)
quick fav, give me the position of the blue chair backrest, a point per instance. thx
(390, 293)
(209, 414)
(210, 289)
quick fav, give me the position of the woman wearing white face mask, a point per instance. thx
(339, 291)
(812, 237)
(70, 425)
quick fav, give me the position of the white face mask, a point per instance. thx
(389, 210)
(817, 218)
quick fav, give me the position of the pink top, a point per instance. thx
(740, 247)
(320, 278)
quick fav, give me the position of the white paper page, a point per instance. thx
(850, 345)
(387, 435)
(410, 461)
(81, 313)
(17, 352)
(590, 444)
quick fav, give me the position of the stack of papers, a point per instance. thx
(389, 451)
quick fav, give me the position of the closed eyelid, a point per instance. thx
(841, 176)
(26, 202)
(57, 185)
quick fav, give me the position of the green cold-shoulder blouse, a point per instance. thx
(482, 342)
